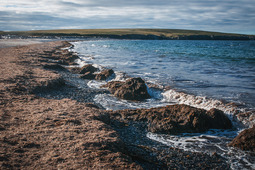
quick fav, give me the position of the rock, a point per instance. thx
(104, 74)
(174, 119)
(70, 57)
(92, 105)
(75, 70)
(56, 67)
(63, 62)
(182, 119)
(113, 85)
(88, 75)
(132, 89)
(88, 68)
(245, 140)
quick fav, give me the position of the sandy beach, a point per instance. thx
(49, 121)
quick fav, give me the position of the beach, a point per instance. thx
(49, 119)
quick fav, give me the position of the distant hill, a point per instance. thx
(164, 34)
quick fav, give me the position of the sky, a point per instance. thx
(232, 16)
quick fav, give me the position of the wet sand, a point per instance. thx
(47, 123)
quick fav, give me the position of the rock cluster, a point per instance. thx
(64, 57)
(89, 72)
(132, 89)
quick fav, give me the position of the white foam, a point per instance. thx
(96, 84)
(120, 76)
(214, 141)
(80, 62)
(110, 102)
(197, 101)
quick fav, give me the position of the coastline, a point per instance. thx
(55, 127)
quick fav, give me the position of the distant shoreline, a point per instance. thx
(141, 34)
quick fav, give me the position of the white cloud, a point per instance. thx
(212, 15)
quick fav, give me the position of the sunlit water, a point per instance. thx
(204, 74)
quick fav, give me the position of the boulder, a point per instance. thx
(132, 89)
(174, 119)
(88, 75)
(104, 74)
(245, 140)
(113, 85)
(186, 119)
(88, 68)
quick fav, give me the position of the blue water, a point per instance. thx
(223, 70)
(199, 73)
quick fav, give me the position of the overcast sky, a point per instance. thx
(237, 16)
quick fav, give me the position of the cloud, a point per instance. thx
(214, 15)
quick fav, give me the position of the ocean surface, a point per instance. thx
(204, 74)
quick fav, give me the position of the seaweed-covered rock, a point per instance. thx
(104, 74)
(132, 89)
(245, 140)
(174, 119)
(88, 68)
(183, 119)
(88, 75)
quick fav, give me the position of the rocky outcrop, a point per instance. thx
(174, 119)
(63, 57)
(88, 68)
(132, 89)
(245, 140)
(104, 74)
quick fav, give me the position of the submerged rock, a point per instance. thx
(132, 89)
(245, 140)
(88, 68)
(104, 74)
(174, 119)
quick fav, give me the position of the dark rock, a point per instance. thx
(182, 118)
(32, 145)
(75, 70)
(114, 85)
(88, 75)
(104, 74)
(63, 62)
(245, 140)
(70, 57)
(88, 68)
(56, 67)
(91, 105)
(174, 119)
(49, 85)
(132, 89)
(74, 122)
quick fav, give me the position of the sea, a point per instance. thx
(201, 73)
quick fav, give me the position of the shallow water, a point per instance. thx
(204, 74)
(223, 70)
